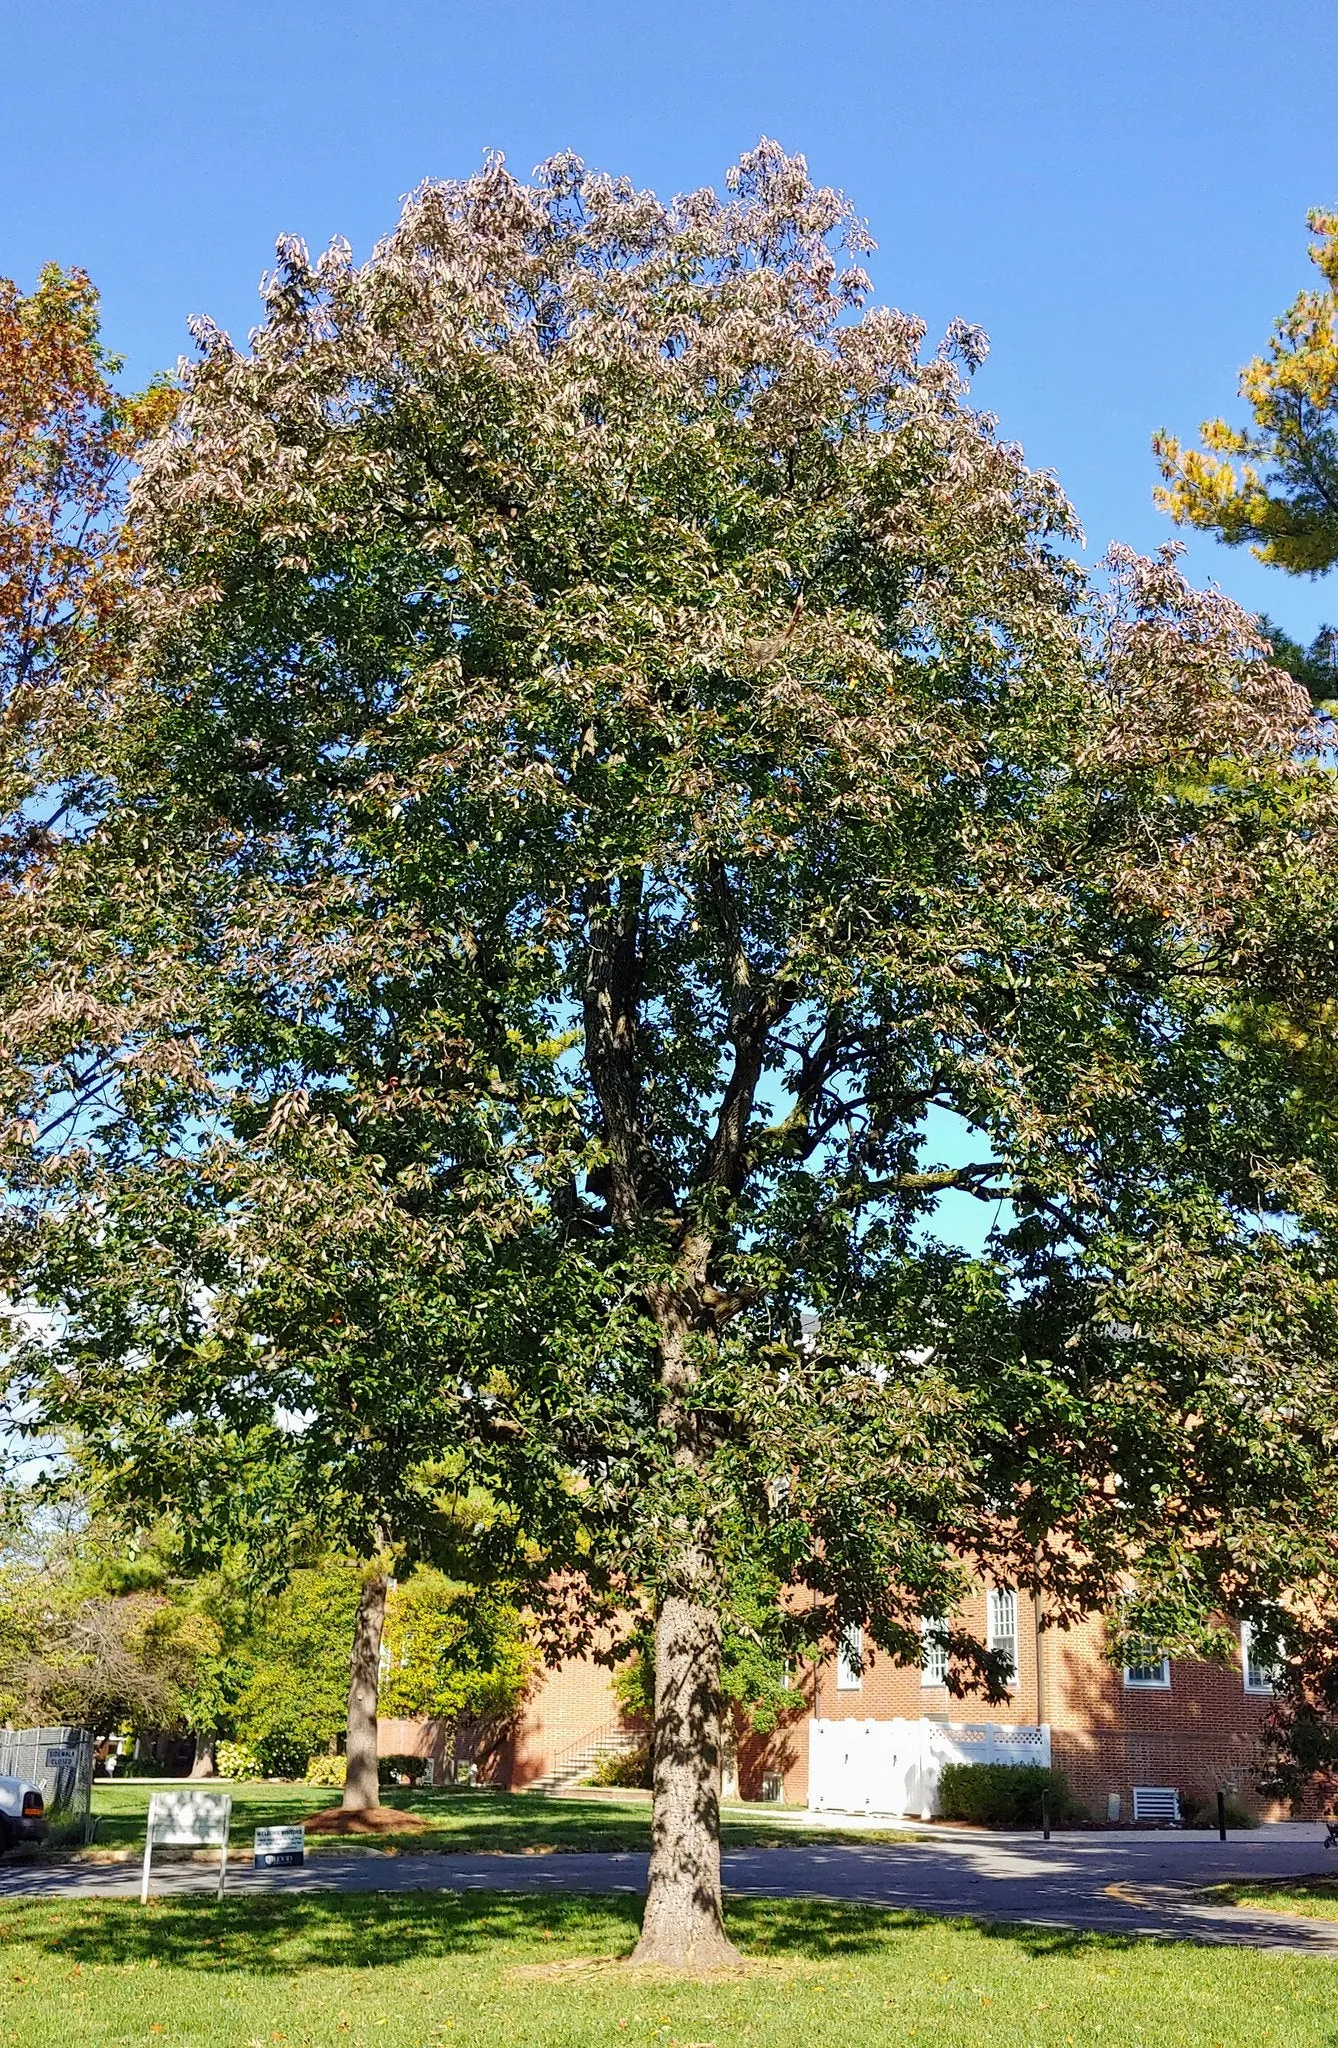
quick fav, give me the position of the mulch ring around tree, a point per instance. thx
(363, 1820)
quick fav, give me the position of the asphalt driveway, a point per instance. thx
(1138, 1885)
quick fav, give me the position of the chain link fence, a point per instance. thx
(60, 1760)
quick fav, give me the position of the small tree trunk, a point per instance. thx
(684, 1923)
(203, 1765)
(362, 1786)
(729, 1763)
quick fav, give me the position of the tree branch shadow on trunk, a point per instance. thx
(362, 1782)
(684, 1927)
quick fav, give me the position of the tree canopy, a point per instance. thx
(610, 740)
(96, 1628)
(1275, 484)
(454, 1652)
(1315, 666)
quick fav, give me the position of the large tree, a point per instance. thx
(616, 743)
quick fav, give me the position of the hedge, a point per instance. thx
(401, 1769)
(1001, 1795)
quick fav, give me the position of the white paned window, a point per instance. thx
(1146, 1671)
(1001, 1625)
(1258, 1677)
(849, 1652)
(934, 1658)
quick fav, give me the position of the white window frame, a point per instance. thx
(1001, 1623)
(1262, 1685)
(1136, 1679)
(934, 1651)
(848, 1678)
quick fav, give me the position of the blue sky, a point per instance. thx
(1115, 189)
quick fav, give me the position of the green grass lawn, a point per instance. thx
(509, 1971)
(1316, 1897)
(457, 1820)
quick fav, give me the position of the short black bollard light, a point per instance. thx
(1045, 1814)
(1221, 1814)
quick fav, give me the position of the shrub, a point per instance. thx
(454, 1652)
(283, 1753)
(236, 1760)
(628, 1767)
(1200, 1811)
(296, 1697)
(326, 1770)
(1002, 1795)
(141, 1767)
(400, 1770)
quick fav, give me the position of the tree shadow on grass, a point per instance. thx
(457, 1821)
(279, 1936)
(820, 1929)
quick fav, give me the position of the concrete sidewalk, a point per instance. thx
(1134, 1885)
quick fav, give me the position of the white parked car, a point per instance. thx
(22, 1812)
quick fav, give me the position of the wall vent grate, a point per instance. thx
(1157, 1802)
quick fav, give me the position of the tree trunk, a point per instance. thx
(362, 1786)
(729, 1763)
(684, 1923)
(203, 1765)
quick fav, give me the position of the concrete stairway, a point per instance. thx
(576, 1764)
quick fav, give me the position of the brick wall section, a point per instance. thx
(436, 1739)
(1108, 1737)
(565, 1707)
(783, 1753)
(1105, 1736)
(412, 1738)
(889, 1691)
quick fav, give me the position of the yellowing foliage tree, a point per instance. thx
(455, 1653)
(1275, 485)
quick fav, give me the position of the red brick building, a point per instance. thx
(569, 1718)
(1160, 1726)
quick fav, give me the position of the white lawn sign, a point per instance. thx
(187, 1820)
(280, 1848)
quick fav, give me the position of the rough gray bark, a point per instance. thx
(684, 1924)
(202, 1764)
(362, 1786)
